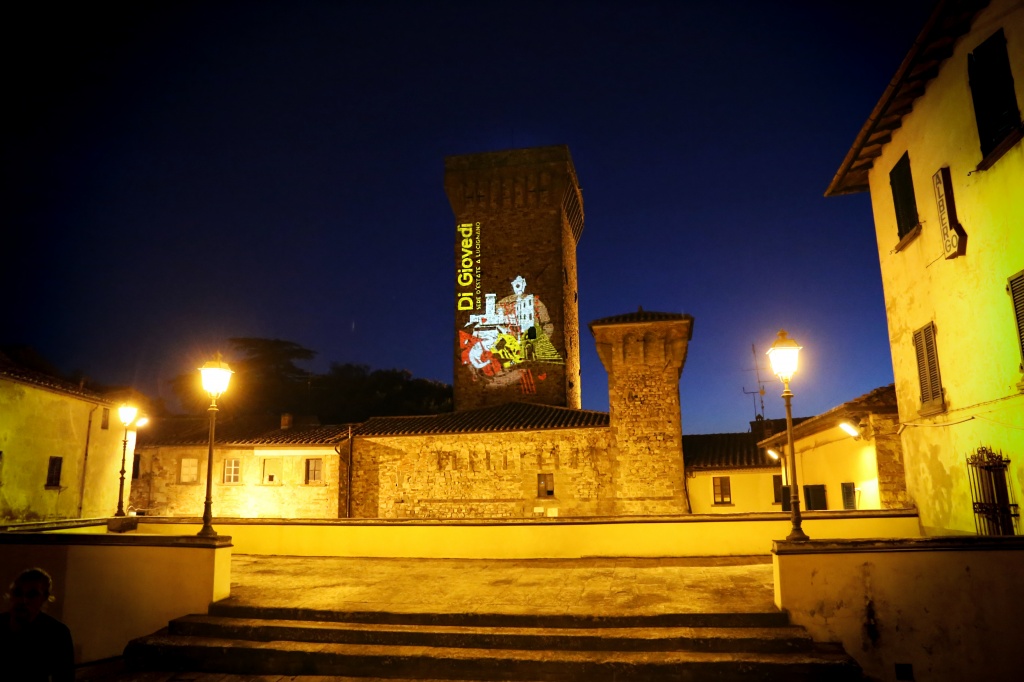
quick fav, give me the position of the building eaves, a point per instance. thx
(950, 20)
(706, 451)
(263, 430)
(881, 400)
(515, 416)
(50, 383)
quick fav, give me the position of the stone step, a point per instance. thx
(208, 654)
(766, 619)
(745, 639)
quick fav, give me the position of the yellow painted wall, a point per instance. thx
(108, 595)
(950, 614)
(832, 457)
(693, 536)
(36, 424)
(965, 297)
(752, 491)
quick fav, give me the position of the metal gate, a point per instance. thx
(995, 509)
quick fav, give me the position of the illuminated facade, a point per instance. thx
(518, 218)
(942, 158)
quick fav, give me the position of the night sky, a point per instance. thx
(175, 174)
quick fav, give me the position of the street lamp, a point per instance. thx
(216, 374)
(127, 414)
(783, 358)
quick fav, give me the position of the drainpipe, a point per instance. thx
(348, 493)
(85, 460)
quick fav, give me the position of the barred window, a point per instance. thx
(723, 492)
(232, 470)
(995, 506)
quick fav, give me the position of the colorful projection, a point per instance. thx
(504, 340)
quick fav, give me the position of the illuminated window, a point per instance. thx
(314, 471)
(777, 488)
(849, 496)
(105, 418)
(995, 105)
(232, 470)
(1016, 290)
(189, 472)
(723, 490)
(928, 370)
(903, 196)
(53, 472)
(815, 498)
(545, 485)
(136, 466)
(271, 474)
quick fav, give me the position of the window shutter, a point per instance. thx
(903, 199)
(928, 366)
(849, 496)
(1016, 291)
(815, 497)
(995, 105)
(786, 498)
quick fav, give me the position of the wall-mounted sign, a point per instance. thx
(954, 238)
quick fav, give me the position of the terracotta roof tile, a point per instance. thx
(640, 315)
(724, 451)
(15, 372)
(508, 417)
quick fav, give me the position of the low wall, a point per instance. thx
(112, 588)
(948, 607)
(561, 538)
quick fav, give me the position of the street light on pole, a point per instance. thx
(129, 416)
(216, 375)
(783, 357)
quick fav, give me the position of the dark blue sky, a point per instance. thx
(181, 173)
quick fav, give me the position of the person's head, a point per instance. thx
(28, 593)
(519, 285)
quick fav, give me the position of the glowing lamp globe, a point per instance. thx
(216, 375)
(783, 357)
(126, 413)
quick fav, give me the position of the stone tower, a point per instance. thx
(644, 353)
(518, 218)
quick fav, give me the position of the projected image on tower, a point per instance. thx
(502, 341)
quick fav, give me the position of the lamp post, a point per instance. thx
(216, 374)
(127, 414)
(783, 358)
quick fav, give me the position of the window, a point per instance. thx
(995, 105)
(787, 499)
(314, 471)
(1015, 288)
(849, 495)
(232, 470)
(136, 466)
(53, 472)
(903, 196)
(723, 493)
(928, 370)
(777, 488)
(814, 496)
(995, 510)
(105, 419)
(545, 485)
(271, 471)
(189, 472)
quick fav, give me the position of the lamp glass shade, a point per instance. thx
(850, 429)
(216, 375)
(142, 421)
(773, 454)
(783, 357)
(127, 413)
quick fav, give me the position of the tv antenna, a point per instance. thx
(758, 416)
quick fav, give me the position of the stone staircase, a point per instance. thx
(254, 640)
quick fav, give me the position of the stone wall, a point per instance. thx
(892, 480)
(160, 491)
(483, 475)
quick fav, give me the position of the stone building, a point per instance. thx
(942, 158)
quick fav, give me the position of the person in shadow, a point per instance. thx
(33, 645)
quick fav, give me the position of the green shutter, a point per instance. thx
(928, 367)
(903, 199)
(1016, 290)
